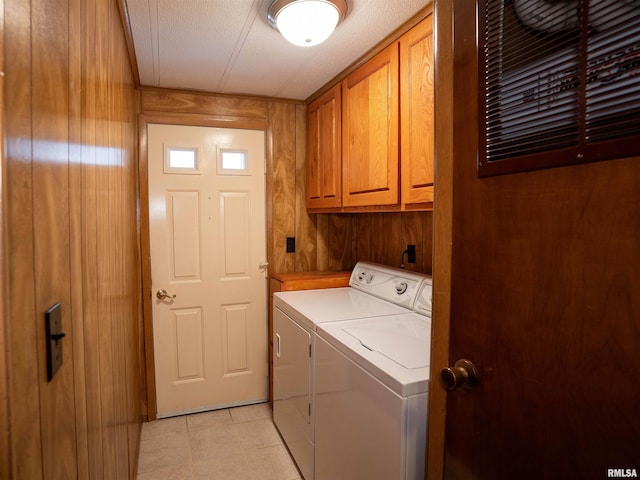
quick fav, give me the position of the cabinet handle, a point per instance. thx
(278, 345)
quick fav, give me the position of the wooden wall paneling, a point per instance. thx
(145, 266)
(127, 399)
(361, 246)
(64, 74)
(24, 382)
(132, 318)
(104, 244)
(322, 244)
(176, 101)
(392, 236)
(50, 106)
(339, 241)
(305, 224)
(282, 119)
(5, 442)
(413, 227)
(117, 194)
(126, 298)
(75, 238)
(133, 314)
(269, 184)
(427, 245)
(375, 237)
(378, 236)
(90, 239)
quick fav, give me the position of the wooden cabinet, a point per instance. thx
(370, 157)
(381, 119)
(324, 159)
(417, 113)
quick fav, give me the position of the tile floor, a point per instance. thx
(239, 443)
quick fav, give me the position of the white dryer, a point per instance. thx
(374, 291)
(371, 389)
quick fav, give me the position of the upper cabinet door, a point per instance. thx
(324, 157)
(417, 117)
(370, 132)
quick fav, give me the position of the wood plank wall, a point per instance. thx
(323, 241)
(5, 462)
(345, 239)
(70, 211)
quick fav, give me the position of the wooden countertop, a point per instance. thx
(309, 280)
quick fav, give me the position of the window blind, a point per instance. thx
(560, 82)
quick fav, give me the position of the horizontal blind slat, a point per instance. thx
(540, 94)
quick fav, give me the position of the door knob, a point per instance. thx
(162, 294)
(463, 374)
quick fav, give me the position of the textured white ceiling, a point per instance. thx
(227, 46)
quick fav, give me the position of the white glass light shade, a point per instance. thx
(307, 22)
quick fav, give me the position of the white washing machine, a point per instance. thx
(371, 389)
(374, 291)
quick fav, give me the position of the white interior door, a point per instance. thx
(208, 253)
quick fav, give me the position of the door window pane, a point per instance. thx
(181, 160)
(233, 162)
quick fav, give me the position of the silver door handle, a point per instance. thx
(162, 294)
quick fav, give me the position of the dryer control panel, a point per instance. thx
(394, 285)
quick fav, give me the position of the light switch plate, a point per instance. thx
(54, 335)
(291, 244)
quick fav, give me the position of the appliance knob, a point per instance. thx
(365, 277)
(401, 288)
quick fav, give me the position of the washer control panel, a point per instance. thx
(392, 284)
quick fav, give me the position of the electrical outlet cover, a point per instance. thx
(411, 253)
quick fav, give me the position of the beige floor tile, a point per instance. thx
(215, 418)
(240, 443)
(272, 463)
(177, 472)
(249, 413)
(258, 434)
(164, 451)
(227, 468)
(165, 426)
(214, 443)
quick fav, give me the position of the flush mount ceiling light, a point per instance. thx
(306, 22)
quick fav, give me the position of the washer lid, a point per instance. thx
(310, 307)
(406, 342)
